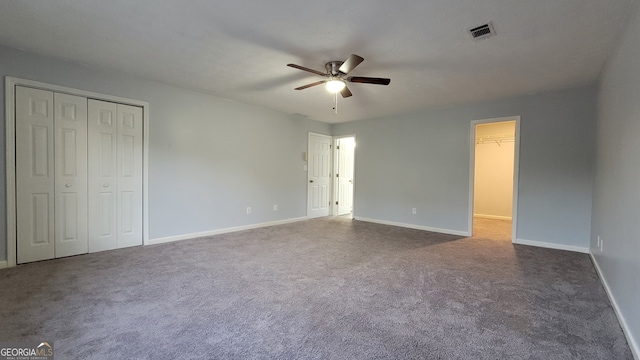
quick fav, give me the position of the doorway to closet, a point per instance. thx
(494, 178)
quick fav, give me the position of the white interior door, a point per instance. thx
(35, 175)
(319, 176)
(102, 117)
(346, 151)
(129, 173)
(70, 129)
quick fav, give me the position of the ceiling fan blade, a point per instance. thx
(369, 80)
(350, 64)
(310, 85)
(345, 92)
(307, 69)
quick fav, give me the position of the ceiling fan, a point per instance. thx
(336, 76)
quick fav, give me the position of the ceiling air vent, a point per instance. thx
(482, 31)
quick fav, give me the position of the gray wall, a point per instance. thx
(422, 161)
(209, 158)
(616, 207)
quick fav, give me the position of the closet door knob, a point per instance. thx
(67, 185)
(105, 185)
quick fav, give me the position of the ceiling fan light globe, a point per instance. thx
(334, 86)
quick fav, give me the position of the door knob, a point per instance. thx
(310, 180)
(105, 185)
(67, 185)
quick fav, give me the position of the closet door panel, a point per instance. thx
(129, 172)
(34, 175)
(71, 237)
(102, 175)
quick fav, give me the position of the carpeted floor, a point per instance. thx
(492, 229)
(327, 288)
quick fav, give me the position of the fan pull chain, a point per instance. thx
(335, 108)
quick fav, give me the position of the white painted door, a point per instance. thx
(70, 134)
(346, 151)
(102, 182)
(115, 175)
(35, 177)
(129, 173)
(319, 175)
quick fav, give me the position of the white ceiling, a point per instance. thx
(239, 49)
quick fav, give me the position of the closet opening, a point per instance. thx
(493, 173)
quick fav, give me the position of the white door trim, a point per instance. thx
(516, 170)
(334, 207)
(10, 170)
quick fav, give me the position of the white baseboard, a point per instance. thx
(222, 231)
(544, 244)
(413, 226)
(633, 344)
(3, 264)
(493, 217)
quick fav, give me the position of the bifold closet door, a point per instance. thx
(70, 138)
(115, 175)
(51, 174)
(129, 172)
(35, 185)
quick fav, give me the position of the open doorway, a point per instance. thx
(330, 175)
(494, 164)
(343, 185)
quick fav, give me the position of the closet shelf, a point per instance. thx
(495, 139)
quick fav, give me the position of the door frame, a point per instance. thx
(516, 170)
(334, 207)
(10, 152)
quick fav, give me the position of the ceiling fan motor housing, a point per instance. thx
(332, 67)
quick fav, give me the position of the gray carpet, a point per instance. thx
(319, 289)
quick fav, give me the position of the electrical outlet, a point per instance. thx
(601, 244)
(275, 207)
(248, 210)
(414, 211)
(598, 242)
